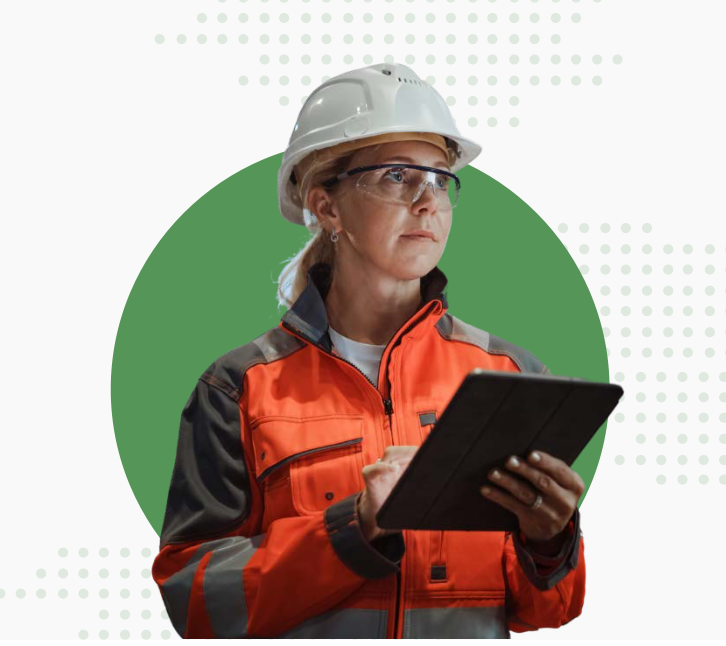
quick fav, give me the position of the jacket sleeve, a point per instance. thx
(542, 591)
(218, 574)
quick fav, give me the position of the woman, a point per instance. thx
(289, 444)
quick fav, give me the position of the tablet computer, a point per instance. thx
(492, 416)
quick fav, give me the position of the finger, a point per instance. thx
(398, 452)
(383, 466)
(559, 470)
(558, 497)
(506, 500)
(516, 486)
(378, 468)
(544, 519)
(395, 465)
(401, 462)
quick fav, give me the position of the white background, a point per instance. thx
(108, 137)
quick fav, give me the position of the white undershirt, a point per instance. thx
(365, 356)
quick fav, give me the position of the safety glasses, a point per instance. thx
(404, 183)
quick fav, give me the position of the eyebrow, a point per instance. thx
(403, 158)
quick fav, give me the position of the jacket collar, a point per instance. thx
(309, 315)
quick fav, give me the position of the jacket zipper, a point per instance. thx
(387, 403)
(388, 407)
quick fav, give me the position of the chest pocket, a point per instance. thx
(323, 456)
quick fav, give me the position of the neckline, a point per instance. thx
(364, 348)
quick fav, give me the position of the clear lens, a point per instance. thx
(407, 185)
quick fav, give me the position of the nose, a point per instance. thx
(426, 197)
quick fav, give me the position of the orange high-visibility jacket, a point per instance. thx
(261, 536)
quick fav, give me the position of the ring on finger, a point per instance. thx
(518, 487)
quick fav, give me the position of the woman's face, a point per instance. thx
(374, 231)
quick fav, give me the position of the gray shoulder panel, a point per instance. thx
(454, 329)
(227, 372)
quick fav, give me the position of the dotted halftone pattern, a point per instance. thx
(667, 349)
(93, 578)
(484, 75)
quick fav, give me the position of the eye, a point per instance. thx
(395, 171)
(443, 180)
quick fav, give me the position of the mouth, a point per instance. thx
(420, 235)
(417, 238)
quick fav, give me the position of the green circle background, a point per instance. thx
(209, 286)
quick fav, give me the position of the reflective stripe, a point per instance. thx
(224, 598)
(224, 593)
(346, 623)
(457, 623)
(177, 588)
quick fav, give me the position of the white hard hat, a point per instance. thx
(367, 105)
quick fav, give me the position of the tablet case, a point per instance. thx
(492, 416)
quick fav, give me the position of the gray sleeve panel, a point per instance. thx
(377, 559)
(455, 329)
(568, 558)
(209, 494)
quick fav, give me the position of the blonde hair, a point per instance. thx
(319, 248)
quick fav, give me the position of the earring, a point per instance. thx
(334, 236)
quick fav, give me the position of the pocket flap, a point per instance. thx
(280, 440)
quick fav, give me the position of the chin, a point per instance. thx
(416, 267)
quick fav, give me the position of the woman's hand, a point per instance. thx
(380, 478)
(559, 486)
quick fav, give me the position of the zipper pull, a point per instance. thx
(388, 405)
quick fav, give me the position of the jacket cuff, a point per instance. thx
(544, 572)
(375, 559)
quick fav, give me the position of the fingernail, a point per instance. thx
(485, 490)
(496, 474)
(535, 456)
(513, 461)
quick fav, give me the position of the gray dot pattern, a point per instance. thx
(454, 47)
(113, 587)
(662, 307)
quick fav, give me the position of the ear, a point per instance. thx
(322, 205)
